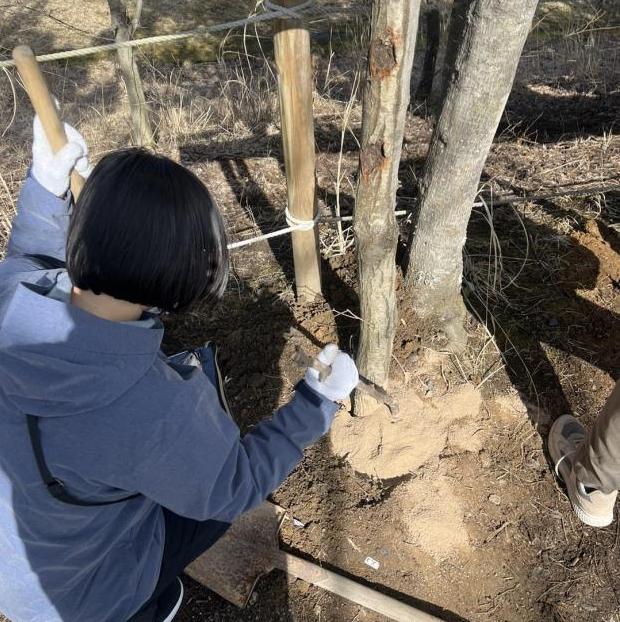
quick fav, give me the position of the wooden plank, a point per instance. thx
(294, 62)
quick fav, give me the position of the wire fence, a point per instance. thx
(312, 12)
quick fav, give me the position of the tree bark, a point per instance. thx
(493, 38)
(433, 27)
(385, 101)
(123, 31)
(453, 25)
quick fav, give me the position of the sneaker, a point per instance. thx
(593, 508)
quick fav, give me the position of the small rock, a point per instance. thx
(485, 459)
(495, 499)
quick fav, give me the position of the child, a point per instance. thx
(118, 467)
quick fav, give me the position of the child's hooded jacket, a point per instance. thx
(115, 419)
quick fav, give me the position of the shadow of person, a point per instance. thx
(549, 315)
(546, 116)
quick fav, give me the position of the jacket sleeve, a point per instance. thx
(41, 224)
(202, 469)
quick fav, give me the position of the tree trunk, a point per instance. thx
(484, 70)
(123, 31)
(386, 98)
(433, 24)
(453, 25)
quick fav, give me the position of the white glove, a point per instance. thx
(343, 378)
(53, 171)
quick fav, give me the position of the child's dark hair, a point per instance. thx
(146, 230)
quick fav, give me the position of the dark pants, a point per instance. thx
(185, 540)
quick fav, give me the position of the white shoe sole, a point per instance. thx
(556, 454)
(588, 519)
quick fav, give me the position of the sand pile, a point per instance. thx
(386, 447)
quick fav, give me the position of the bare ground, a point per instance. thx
(459, 508)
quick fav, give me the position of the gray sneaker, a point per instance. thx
(593, 508)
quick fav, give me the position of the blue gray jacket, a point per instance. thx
(115, 419)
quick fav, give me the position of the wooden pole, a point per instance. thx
(44, 106)
(294, 62)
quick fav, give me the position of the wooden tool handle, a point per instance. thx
(351, 590)
(44, 106)
(305, 360)
(378, 393)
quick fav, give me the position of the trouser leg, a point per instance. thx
(185, 540)
(597, 464)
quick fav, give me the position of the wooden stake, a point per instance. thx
(294, 62)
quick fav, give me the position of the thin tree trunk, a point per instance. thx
(451, 37)
(493, 38)
(386, 98)
(432, 22)
(123, 31)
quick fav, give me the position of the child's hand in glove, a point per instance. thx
(53, 171)
(343, 378)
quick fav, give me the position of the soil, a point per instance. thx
(388, 445)
(453, 496)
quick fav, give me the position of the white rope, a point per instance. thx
(260, 238)
(294, 224)
(274, 11)
(299, 224)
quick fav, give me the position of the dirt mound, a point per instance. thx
(433, 517)
(386, 447)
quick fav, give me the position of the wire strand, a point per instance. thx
(273, 11)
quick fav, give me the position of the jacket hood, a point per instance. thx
(57, 360)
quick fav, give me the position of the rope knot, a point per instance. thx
(298, 224)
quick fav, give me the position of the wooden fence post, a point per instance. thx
(294, 62)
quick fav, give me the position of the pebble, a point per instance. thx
(495, 499)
